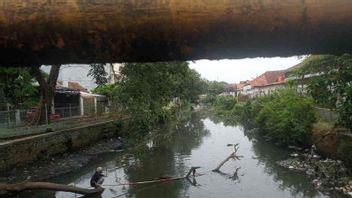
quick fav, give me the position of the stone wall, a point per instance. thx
(20, 151)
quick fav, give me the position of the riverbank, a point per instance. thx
(23, 150)
(194, 140)
(74, 155)
(289, 120)
(54, 166)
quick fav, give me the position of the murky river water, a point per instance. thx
(196, 141)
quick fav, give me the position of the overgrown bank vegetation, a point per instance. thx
(329, 83)
(285, 117)
(289, 117)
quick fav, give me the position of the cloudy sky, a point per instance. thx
(233, 71)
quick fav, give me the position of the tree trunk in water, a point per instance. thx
(18, 187)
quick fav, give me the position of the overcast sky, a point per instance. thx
(233, 71)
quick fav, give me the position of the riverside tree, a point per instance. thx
(47, 84)
(330, 83)
(97, 71)
(17, 86)
(146, 90)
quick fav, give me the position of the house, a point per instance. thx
(243, 87)
(302, 80)
(266, 83)
(75, 100)
(76, 73)
(231, 89)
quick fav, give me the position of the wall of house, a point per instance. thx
(20, 151)
(262, 91)
(269, 89)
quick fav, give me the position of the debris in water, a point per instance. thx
(294, 154)
(295, 148)
(328, 174)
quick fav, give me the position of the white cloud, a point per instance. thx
(233, 71)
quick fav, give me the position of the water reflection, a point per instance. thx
(195, 139)
(267, 154)
(166, 157)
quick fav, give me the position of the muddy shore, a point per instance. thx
(54, 166)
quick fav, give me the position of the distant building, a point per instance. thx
(241, 87)
(74, 100)
(231, 89)
(79, 73)
(268, 83)
(264, 84)
(300, 81)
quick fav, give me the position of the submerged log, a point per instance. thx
(26, 185)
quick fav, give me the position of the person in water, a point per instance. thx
(97, 179)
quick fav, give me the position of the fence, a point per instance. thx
(327, 114)
(18, 116)
(11, 118)
(70, 111)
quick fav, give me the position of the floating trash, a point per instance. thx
(294, 154)
(295, 148)
(327, 174)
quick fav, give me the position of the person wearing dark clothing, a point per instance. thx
(97, 179)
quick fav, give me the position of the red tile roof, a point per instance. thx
(268, 78)
(242, 84)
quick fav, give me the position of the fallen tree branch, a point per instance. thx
(26, 185)
(231, 156)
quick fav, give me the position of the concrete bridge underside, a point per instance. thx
(36, 32)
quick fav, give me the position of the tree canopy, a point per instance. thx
(330, 83)
(17, 85)
(97, 71)
(146, 90)
(215, 87)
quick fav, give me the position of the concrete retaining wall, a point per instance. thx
(19, 151)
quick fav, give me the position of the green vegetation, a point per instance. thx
(344, 151)
(215, 88)
(284, 116)
(97, 71)
(224, 105)
(212, 90)
(330, 83)
(151, 92)
(16, 85)
(109, 90)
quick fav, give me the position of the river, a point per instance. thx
(196, 140)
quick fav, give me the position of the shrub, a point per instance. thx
(225, 103)
(209, 100)
(285, 116)
(344, 151)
